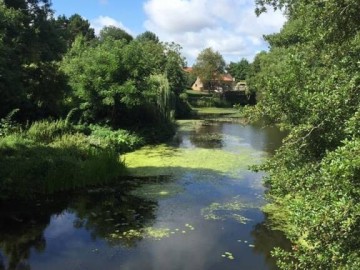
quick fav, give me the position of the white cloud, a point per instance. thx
(177, 15)
(228, 26)
(102, 21)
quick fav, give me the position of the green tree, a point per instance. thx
(149, 36)
(30, 47)
(239, 70)
(74, 26)
(10, 75)
(114, 33)
(309, 83)
(174, 68)
(118, 82)
(96, 76)
(209, 67)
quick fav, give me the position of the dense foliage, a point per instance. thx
(50, 66)
(239, 70)
(209, 67)
(56, 68)
(309, 82)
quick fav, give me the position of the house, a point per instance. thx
(225, 82)
(241, 86)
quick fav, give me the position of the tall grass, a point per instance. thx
(54, 156)
(69, 162)
(46, 131)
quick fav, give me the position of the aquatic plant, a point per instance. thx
(228, 255)
(152, 233)
(157, 190)
(167, 160)
(227, 210)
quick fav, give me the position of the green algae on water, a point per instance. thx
(144, 233)
(148, 233)
(228, 210)
(157, 191)
(188, 125)
(228, 255)
(167, 160)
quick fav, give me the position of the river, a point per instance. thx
(190, 204)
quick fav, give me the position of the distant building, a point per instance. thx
(225, 83)
(241, 86)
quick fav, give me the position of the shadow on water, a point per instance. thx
(103, 212)
(265, 239)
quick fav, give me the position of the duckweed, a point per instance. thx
(228, 210)
(157, 191)
(148, 233)
(167, 160)
(228, 255)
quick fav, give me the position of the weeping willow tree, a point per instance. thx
(165, 99)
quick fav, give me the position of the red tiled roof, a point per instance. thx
(227, 78)
(188, 69)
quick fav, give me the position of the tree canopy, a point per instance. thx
(31, 45)
(149, 36)
(209, 66)
(309, 83)
(114, 33)
(50, 66)
(239, 70)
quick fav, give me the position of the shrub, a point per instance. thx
(7, 125)
(46, 131)
(119, 140)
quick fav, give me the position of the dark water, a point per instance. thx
(104, 228)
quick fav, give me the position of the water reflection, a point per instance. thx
(102, 212)
(22, 228)
(104, 228)
(266, 239)
(213, 134)
(207, 134)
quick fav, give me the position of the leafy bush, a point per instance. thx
(119, 140)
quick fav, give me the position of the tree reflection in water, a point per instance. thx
(101, 211)
(266, 239)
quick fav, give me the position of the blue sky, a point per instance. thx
(228, 26)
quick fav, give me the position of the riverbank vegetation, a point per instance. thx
(309, 83)
(71, 101)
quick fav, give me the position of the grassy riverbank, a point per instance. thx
(53, 156)
(56, 156)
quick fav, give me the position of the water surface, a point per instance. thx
(191, 204)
